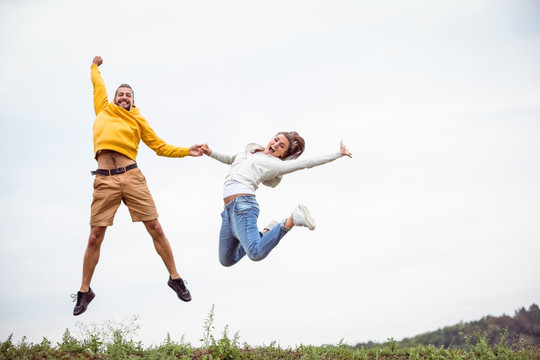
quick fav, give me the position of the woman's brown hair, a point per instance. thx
(296, 147)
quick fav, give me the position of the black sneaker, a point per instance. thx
(83, 299)
(179, 287)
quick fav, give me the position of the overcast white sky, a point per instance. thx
(434, 221)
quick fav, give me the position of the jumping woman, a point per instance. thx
(239, 235)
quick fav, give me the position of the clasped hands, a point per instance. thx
(199, 150)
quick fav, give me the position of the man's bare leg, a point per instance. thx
(163, 248)
(162, 245)
(91, 256)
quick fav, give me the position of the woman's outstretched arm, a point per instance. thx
(226, 159)
(289, 166)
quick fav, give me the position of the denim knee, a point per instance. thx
(226, 262)
(255, 256)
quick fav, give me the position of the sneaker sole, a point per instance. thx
(310, 221)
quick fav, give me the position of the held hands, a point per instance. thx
(196, 150)
(97, 60)
(199, 150)
(206, 149)
(343, 149)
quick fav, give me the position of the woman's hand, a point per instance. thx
(205, 149)
(343, 149)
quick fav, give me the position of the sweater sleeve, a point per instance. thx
(100, 92)
(154, 142)
(294, 165)
(226, 159)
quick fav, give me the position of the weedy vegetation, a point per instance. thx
(113, 340)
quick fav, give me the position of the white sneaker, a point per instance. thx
(302, 217)
(272, 224)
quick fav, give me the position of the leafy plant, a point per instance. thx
(208, 338)
(70, 343)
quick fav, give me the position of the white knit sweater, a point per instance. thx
(251, 168)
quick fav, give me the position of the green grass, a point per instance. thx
(112, 340)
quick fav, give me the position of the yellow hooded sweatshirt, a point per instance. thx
(118, 129)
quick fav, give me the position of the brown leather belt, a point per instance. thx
(116, 171)
(228, 199)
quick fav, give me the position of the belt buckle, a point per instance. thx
(118, 171)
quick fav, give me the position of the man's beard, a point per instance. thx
(125, 106)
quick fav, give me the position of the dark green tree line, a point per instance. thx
(522, 328)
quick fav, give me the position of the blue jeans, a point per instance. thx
(239, 235)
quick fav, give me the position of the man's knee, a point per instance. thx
(97, 234)
(154, 229)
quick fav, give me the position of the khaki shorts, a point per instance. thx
(129, 187)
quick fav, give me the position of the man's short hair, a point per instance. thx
(125, 86)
